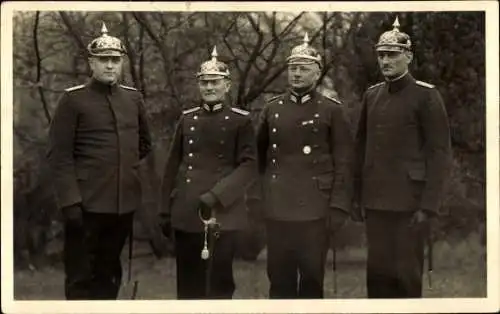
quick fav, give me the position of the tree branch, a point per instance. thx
(39, 68)
(163, 52)
(252, 58)
(141, 62)
(130, 52)
(67, 21)
(284, 32)
(236, 59)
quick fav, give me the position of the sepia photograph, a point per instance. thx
(255, 157)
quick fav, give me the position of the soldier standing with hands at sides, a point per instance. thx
(97, 138)
(404, 154)
(305, 147)
(211, 162)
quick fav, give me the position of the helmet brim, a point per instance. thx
(107, 53)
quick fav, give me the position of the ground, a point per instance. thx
(459, 271)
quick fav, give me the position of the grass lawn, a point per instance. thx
(459, 271)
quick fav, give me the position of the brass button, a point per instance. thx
(306, 150)
(192, 128)
(188, 180)
(191, 141)
(190, 167)
(190, 154)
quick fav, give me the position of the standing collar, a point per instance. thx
(213, 107)
(300, 99)
(102, 87)
(399, 83)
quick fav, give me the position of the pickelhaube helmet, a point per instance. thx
(106, 45)
(213, 69)
(394, 40)
(304, 54)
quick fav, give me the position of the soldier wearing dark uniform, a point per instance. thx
(305, 147)
(97, 138)
(403, 150)
(211, 162)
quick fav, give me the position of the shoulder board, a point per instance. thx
(240, 111)
(69, 89)
(187, 111)
(333, 99)
(376, 85)
(128, 87)
(424, 84)
(274, 98)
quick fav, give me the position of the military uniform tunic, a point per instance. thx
(97, 137)
(212, 151)
(404, 146)
(305, 149)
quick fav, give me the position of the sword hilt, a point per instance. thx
(207, 224)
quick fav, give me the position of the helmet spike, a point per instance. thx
(104, 29)
(396, 24)
(214, 54)
(306, 39)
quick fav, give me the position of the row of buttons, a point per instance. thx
(191, 141)
(274, 176)
(306, 149)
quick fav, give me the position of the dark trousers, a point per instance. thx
(92, 256)
(192, 269)
(296, 255)
(395, 255)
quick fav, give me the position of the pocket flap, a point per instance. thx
(417, 171)
(325, 181)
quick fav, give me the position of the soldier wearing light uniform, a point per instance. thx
(211, 162)
(305, 147)
(403, 153)
(98, 135)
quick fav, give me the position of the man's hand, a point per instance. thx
(204, 211)
(336, 219)
(206, 204)
(420, 217)
(73, 214)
